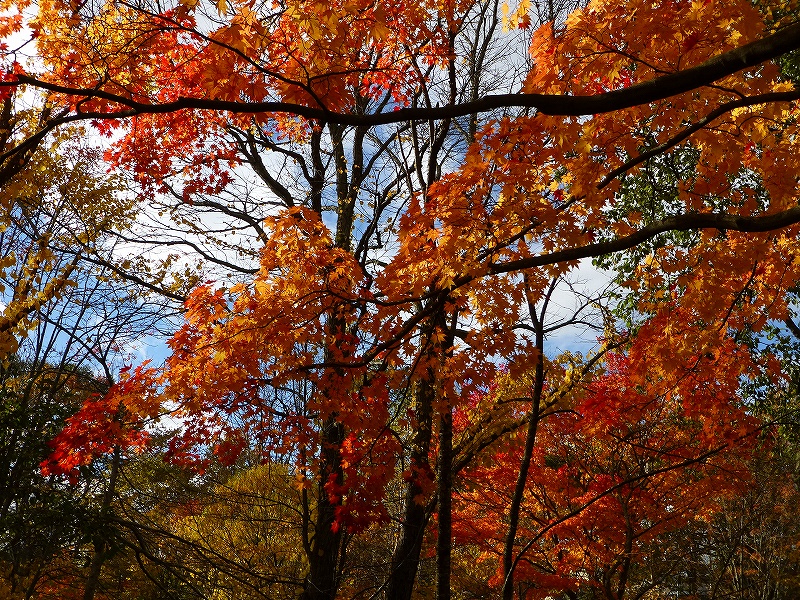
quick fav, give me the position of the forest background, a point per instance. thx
(360, 227)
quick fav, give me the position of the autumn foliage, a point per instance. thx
(621, 467)
(387, 199)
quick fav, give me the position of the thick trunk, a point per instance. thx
(444, 504)
(326, 547)
(323, 560)
(405, 561)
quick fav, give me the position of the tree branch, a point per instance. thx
(660, 88)
(685, 222)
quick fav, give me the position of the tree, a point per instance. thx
(256, 514)
(56, 536)
(622, 466)
(66, 328)
(420, 194)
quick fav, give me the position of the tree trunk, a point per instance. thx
(530, 439)
(444, 504)
(323, 561)
(405, 561)
(99, 540)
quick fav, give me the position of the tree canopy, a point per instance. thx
(365, 215)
